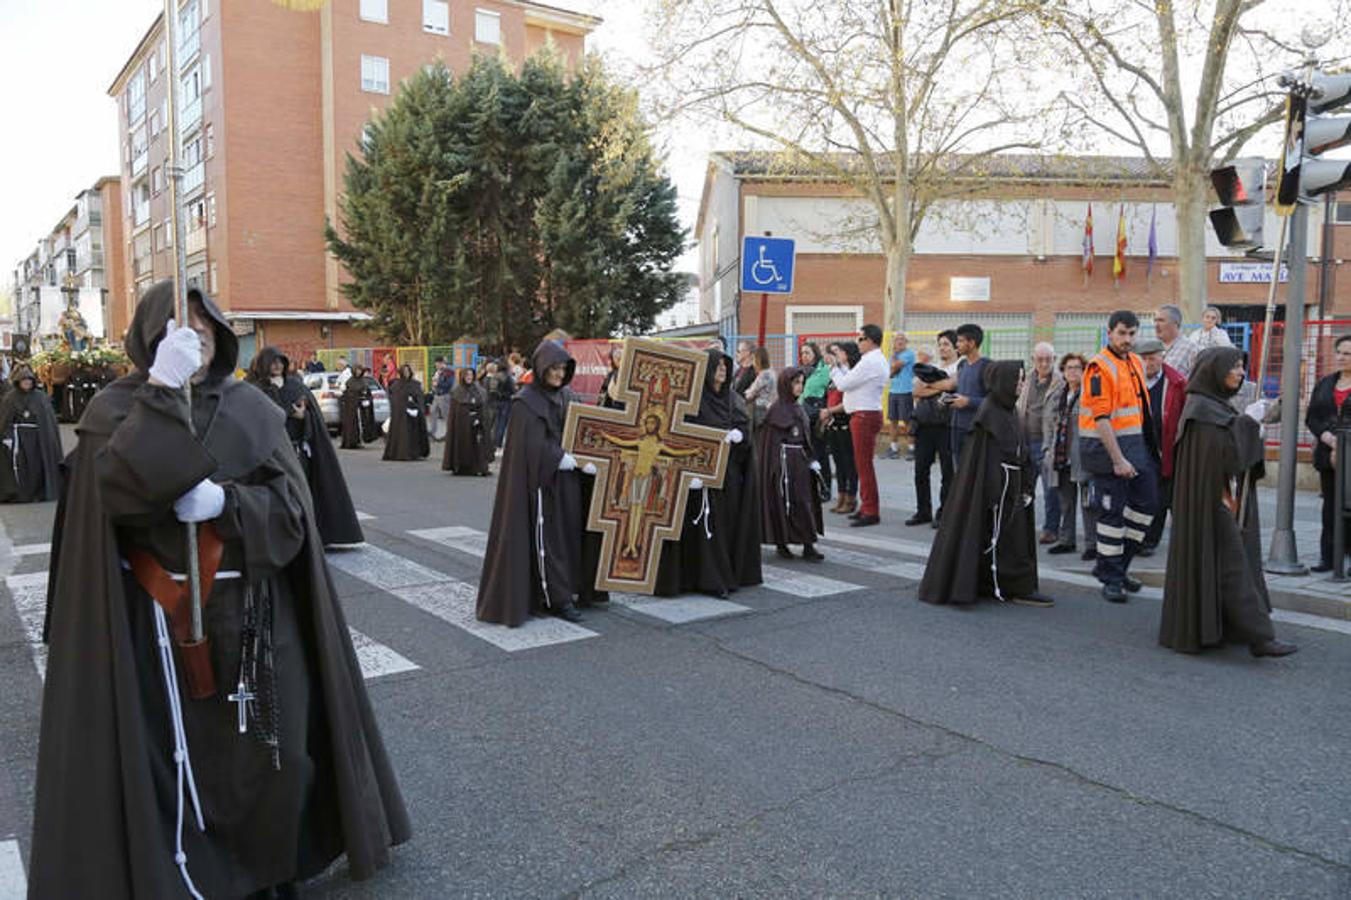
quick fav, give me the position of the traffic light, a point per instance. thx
(1309, 133)
(1242, 189)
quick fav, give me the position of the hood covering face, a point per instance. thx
(1001, 382)
(785, 412)
(20, 373)
(1212, 367)
(715, 406)
(549, 354)
(261, 370)
(155, 310)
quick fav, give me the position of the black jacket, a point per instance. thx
(1323, 416)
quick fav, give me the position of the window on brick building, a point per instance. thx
(156, 180)
(374, 74)
(487, 27)
(210, 134)
(375, 10)
(1341, 214)
(436, 16)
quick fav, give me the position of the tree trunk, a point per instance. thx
(1190, 187)
(893, 303)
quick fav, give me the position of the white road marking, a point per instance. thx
(1307, 620)
(32, 549)
(30, 602)
(678, 610)
(449, 599)
(13, 881)
(803, 584)
(364, 516)
(456, 537)
(376, 659)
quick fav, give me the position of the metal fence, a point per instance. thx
(382, 360)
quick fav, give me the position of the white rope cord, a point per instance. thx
(539, 542)
(998, 527)
(704, 515)
(182, 760)
(783, 483)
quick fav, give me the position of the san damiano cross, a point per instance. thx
(646, 457)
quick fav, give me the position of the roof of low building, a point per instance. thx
(1013, 166)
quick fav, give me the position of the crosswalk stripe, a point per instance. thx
(30, 602)
(376, 659)
(364, 516)
(13, 881)
(32, 549)
(449, 599)
(456, 537)
(1307, 620)
(803, 584)
(678, 610)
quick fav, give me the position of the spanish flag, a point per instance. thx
(1119, 261)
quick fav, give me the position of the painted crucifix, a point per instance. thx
(646, 457)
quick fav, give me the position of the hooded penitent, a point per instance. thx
(985, 547)
(118, 796)
(1214, 589)
(30, 442)
(407, 438)
(334, 513)
(469, 446)
(533, 498)
(357, 406)
(791, 503)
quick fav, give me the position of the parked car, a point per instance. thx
(324, 386)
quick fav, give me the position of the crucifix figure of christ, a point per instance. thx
(646, 456)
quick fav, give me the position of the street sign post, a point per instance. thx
(767, 267)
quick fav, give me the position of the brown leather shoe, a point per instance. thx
(1048, 537)
(1272, 647)
(839, 504)
(850, 503)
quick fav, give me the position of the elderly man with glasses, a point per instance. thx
(1178, 352)
(1031, 408)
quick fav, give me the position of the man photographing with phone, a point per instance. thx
(964, 391)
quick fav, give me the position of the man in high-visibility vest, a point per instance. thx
(1117, 446)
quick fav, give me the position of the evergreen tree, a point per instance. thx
(503, 205)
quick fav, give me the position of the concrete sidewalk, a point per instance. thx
(1314, 594)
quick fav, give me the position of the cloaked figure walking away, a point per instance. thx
(30, 443)
(1214, 590)
(407, 438)
(986, 546)
(161, 772)
(790, 510)
(334, 513)
(533, 557)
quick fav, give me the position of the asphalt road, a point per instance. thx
(826, 735)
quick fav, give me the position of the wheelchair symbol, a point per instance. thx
(763, 271)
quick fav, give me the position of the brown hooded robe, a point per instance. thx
(30, 455)
(407, 438)
(310, 780)
(1214, 589)
(790, 508)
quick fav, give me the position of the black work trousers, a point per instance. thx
(932, 441)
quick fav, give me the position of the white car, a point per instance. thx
(324, 387)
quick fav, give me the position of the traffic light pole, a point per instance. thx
(1284, 556)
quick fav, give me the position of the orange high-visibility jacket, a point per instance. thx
(1114, 389)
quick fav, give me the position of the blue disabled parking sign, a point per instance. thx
(767, 265)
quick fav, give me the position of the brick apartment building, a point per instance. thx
(272, 102)
(1008, 257)
(80, 257)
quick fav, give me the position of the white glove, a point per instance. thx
(696, 484)
(815, 466)
(412, 413)
(203, 502)
(177, 357)
(1256, 411)
(567, 463)
(589, 468)
(733, 437)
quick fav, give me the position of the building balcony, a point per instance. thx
(193, 178)
(139, 162)
(194, 241)
(188, 45)
(87, 261)
(86, 221)
(190, 116)
(142, 214)
(143, 265)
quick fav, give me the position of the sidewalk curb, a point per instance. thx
(1316, 595)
